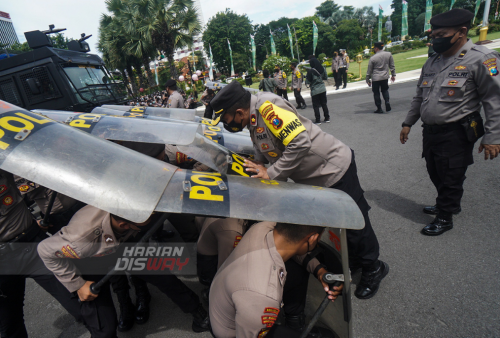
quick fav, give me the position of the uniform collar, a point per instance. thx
(278, 260)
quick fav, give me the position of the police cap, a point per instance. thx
(226, 98)
(171, 83)
(453, 18)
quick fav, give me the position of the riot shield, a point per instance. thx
(219, 195)
(141, 130)
(171, 113)
(97, 172)
(337, 316)
(219, 86)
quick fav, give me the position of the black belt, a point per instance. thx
(442, 128)
(15, 243)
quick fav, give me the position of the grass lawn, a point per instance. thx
(401, 61)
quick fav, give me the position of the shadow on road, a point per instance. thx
(398, 204)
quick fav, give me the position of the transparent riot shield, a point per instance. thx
(138, 130)
(218, 86)
(219, 195)
(84, 167)
(333, 253)
(171, 113)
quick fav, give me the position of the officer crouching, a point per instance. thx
(454, 83)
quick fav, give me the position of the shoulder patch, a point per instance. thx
(491, 64)
(298, 74)
(284, 124)
(284, 75)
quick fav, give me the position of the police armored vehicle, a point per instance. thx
(52, 78)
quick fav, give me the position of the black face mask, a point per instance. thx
(441, 45)
(233, 127)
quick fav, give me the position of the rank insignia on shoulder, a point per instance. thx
(253, 119)
(460, 67)
(272, 154)
(108, 239)
(491, 64)
(7, 200)
(260, 130)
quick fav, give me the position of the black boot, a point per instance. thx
(298, 106)
(127, 311)
(143, 298)
(442, 223)
(205, 295)
(304, 106)
(370, 280)
(297, 323)
(434, 210)
(201, 321)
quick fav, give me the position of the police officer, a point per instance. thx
(297, 85)
(247, 292)
(63, 209)
(19, 236)
(175, 99)
(343, 67)
(281, 81)
(453, 84)
(218, 238)
(299, 150)
(377, 76)
(94, 234)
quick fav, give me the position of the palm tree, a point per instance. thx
(170, 24)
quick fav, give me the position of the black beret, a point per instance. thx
(453, 18)
(226, 98)
(171, 83)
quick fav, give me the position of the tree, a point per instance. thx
(19, 48)
(326, 37)
(280, 36)
(326, 9)
(282, 61)
(237, 28)
(415, 8)
(350, 35)
(59, 41)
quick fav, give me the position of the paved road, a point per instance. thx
(445, 286)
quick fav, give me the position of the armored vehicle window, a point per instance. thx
(39, 78)
(9, 92)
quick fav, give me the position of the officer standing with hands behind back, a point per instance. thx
(453, 84)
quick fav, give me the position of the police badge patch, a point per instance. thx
(8, 200)
(491, 64)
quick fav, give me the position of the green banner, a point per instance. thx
(404, 21)
(211, 74)
(315, 37)
(254, 51)
(452, 3)
(291, 40)
(380, 18)
(478, 3)
(273, 46)
(428, 15)
(231, 55)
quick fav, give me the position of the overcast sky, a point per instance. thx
(83, 17)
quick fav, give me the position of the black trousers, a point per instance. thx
(363, 244)
(295, 288)
(447, 155)
(377, 87)
(15, 267)
(298, 97)
(342, 77)
(319, 100)
(282, 93)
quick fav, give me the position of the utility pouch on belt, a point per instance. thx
(474, 127)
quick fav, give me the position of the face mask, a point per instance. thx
(441, 45)
(233, 127)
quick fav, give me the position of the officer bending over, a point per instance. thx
(247, 292)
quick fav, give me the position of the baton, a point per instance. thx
(95, 288)
(45, 221)
(332, 280)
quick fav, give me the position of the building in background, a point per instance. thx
(8, 34)
(181, 53)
